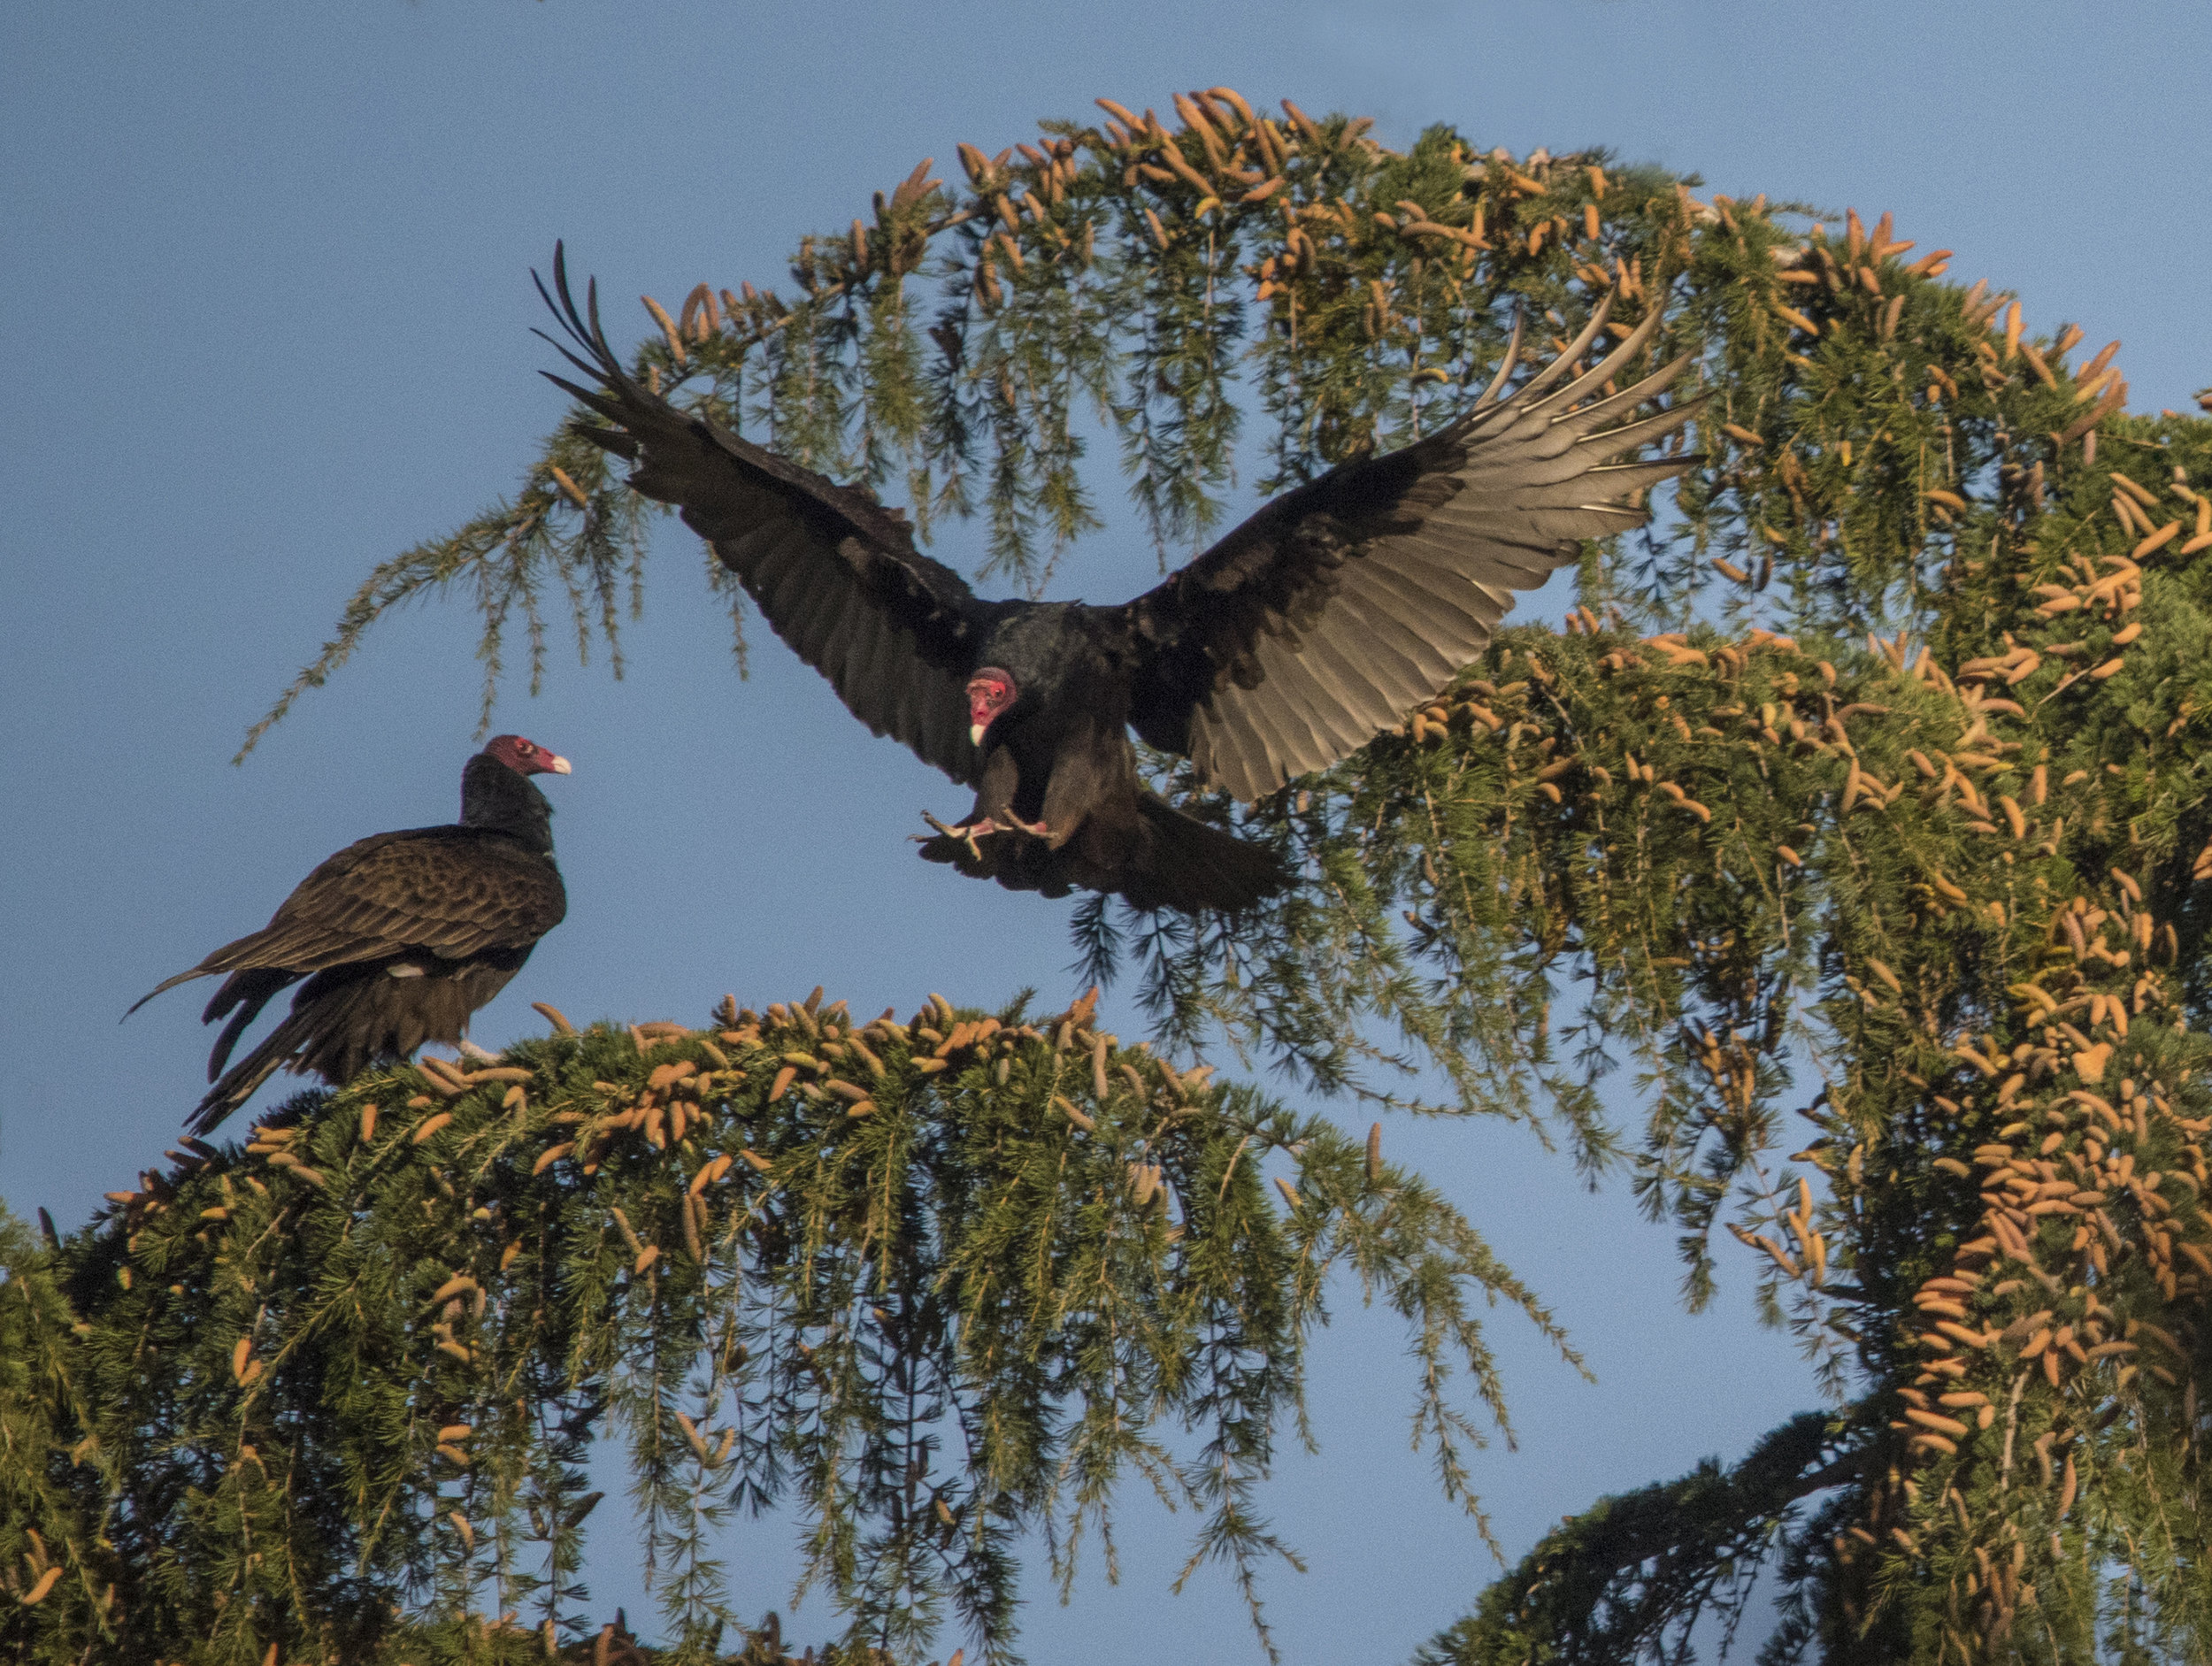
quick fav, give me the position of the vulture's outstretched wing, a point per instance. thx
(1345, 603)
(835, 575)
(454, 891)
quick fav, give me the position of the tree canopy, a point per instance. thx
(937, 1284)
(1857, 810)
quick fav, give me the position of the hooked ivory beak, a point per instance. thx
(975, 733)
(556, 764)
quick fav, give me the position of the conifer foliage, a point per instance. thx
(935, 1285)
(1858, 807)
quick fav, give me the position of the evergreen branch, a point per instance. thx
(1613, 1585)
(1712, 832)
(344, 1378)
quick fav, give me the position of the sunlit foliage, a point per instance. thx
(935, 1285)
(1859, 810)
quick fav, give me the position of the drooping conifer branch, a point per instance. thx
(936, 1286)
(1630, 1576)
(1949, 876)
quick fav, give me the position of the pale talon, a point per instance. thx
(965, 832)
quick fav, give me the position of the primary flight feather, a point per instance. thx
(1331, 612)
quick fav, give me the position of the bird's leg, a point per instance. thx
(965, 831)
(969, 832)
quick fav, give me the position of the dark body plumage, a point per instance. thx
(1323, 619)
(400, 937)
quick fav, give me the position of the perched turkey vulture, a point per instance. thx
(1323, 619)
(400, 936)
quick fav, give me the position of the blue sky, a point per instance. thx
(266, 311)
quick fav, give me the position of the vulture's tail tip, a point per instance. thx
(1188, 865)
(212, 1111)
(238, 1085)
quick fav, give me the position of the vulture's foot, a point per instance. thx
(969, 832)
(966, 831)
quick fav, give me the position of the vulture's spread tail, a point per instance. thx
(1180, 862)
(1161, 858)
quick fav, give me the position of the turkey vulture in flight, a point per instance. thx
(400, 937)
(1334, 611)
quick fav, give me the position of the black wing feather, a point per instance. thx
(449, 891)
(1345, 602)
(836, 575)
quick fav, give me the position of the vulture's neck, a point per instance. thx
(493, 797)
